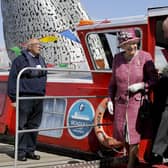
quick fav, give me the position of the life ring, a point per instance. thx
(104, 139)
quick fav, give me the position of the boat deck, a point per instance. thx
(57, 159)
(48, 159)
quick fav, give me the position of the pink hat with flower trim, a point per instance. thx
(126, 36)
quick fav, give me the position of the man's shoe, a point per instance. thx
(33, 156)
(22, 158)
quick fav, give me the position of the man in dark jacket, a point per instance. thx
(32, 83)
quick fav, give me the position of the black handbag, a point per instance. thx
(145, 107)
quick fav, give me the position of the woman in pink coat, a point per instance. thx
(133, 71)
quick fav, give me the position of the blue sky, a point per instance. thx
(102, 9)
(105, 9)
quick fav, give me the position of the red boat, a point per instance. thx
(76, 96)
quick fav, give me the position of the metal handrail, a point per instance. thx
(45, 97)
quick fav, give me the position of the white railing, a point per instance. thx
(43, 97)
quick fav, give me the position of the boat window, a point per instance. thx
(103, 46)
(53, 116)
(161, 50)
(3, 95)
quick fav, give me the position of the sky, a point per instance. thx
(106, 9)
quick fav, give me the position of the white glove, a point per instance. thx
(136, 87)
(14, 104)
(110, 107)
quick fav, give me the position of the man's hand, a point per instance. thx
(110, 107)
(136, 87)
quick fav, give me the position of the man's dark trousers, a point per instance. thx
(30, 114)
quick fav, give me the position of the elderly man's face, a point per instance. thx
(34, 46)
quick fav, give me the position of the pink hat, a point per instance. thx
(127, 35)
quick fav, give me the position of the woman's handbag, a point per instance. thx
(145, 107)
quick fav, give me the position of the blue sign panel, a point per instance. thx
(80, 114)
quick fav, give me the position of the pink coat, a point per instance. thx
(139, 69)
